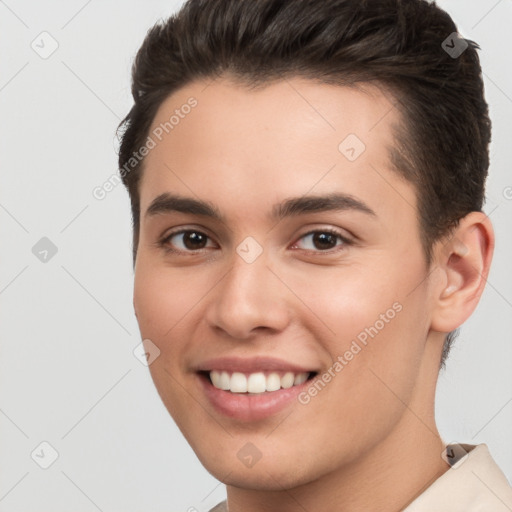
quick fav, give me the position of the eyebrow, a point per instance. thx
(294, 206)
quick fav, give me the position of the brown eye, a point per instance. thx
(186, 241)
(194, 240)
(322, 241)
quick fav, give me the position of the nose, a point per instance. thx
(249, 299)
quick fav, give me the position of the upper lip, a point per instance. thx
(250, 365)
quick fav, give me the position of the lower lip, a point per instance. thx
(249, 406)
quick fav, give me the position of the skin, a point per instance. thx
(357, 444)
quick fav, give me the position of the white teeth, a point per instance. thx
(256, 382)
(300, 378)
(273, 382)
(224, 381)
(238, 383)
(215, 377)
(287, 380)
(220, 380)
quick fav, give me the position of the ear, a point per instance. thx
(463, 260)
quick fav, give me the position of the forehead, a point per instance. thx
(223, 139)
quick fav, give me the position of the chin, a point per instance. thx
(273, 472)
(261, 477)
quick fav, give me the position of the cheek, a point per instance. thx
(164, 301)
(348, 301)
(163, 298)
(376, 353)
(377, 327)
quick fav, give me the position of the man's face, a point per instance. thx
(338, 296)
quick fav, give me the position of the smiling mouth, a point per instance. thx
(257, 382)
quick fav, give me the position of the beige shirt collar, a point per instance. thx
(474, 483)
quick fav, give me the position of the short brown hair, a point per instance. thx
(400, 45)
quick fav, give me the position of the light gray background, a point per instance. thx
(67, 372)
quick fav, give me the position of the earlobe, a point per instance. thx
(464, 260)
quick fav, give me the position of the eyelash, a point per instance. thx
(164, 242)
